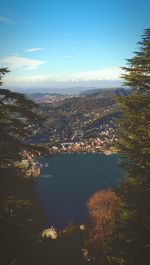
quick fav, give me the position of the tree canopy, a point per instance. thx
(131, 236)
(18, 119)
(20, 213)
(128, 240)
(137, 73)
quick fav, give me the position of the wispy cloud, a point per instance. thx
(7, 20)
(18, 62)
(34, 49)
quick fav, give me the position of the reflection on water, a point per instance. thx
(46, 176)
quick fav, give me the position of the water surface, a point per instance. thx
(68, 180)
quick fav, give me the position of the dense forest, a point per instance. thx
(118, 227)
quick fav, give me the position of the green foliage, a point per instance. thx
(21, 216)
(129, 242)
(3, 71)
(137, 74)
(18, 118)
(134, 132)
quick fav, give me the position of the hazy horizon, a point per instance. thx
(61, 90)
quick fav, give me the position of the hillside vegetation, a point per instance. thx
(81, 117)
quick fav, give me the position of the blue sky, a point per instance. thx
(66, 43)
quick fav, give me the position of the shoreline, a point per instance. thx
(106, 152)
(35, 168)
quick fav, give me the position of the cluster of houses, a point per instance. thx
(50, 99)
(103, 143)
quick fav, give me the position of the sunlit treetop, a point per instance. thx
(137, 73)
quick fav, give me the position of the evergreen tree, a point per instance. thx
(137, 74)
(130, 240)
(20, 212)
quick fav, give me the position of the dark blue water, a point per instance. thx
(67, 182)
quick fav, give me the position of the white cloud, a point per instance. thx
(7, 20)
(34, 49)
(111, 73)
(102, 78)
(18, 62)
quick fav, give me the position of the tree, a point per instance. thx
(129, 242)
(20, 212)
(18, 118)
(101, 207)
(137, 74)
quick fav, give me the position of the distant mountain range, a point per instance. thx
(88, 92)
(120, 91)
(63, 91)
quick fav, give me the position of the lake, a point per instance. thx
(68, 180)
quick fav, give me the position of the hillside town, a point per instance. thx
(104, 143)
(51, 99)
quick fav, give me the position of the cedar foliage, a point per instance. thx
(137, 73)
(20, 211)
(18, 118)
(129, 243)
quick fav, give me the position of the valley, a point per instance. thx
(82, 123)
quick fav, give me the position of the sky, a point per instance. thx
(69, 43)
